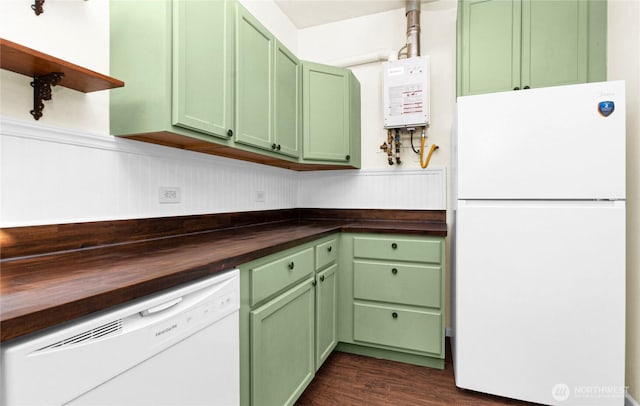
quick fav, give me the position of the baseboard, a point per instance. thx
(630, 401)
(422, 360)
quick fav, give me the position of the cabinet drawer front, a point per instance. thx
(415, 330)
(403, 249)
(326, 253)
(417, 285)
(277, 275)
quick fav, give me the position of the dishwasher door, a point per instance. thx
(177, 347)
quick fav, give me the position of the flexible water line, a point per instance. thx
(424, 164)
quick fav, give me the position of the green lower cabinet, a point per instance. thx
(391, 297)
(288, 320)
(340, 292)
(282, 347)
(401, 327)
(268, 279)
(326, 313)
(411, 284)
(398, 248)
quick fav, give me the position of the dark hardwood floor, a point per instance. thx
(355, 380)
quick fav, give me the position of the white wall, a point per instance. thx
(55, 175)
(270, 15)
(73, 30)
(623, 62)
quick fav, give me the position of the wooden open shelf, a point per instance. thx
(47, 71)
(29, 62)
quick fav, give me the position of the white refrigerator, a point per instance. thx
(538, 244)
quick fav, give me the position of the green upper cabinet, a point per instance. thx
(489, 35)
(520, 44)
(267, 89)
(177, 60)
(203, 91)
(554, 43)
(254, 81)
(287, 102)
(331, 106)
(207, 76)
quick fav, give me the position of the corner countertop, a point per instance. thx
(40, 291)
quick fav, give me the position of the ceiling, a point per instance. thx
(308, 13)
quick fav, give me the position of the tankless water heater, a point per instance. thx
(406, 92)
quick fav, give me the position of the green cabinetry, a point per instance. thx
(326, 299)
(288, 321)
(287, 102)
(282, 346)
(391, 296)
(207, 76)
(519, 44)
(153, 46)
(267, 89)
(202, 92)
(331, 111)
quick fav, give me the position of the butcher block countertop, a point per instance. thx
(53, 274)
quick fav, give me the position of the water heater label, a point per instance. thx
(406, 92)
(406, 99)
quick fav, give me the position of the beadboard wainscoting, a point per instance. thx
(53, 175)
(374, 189)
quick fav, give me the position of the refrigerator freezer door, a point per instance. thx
(540, 301)
(548, 143)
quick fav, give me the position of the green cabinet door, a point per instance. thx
(203, 66)
(288, 114)
(554, 42)
(326, 313)
(489, 46)
(254, 85)
(521, 44)
(326, 115)
(282, 347)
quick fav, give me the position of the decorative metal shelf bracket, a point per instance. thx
(37, 7)
(42, 91)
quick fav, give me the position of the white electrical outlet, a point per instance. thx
(261, 196)
(169, 195)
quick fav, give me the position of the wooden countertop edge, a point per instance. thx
(16, 321)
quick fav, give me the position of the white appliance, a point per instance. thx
(538, 248)
(177, 347)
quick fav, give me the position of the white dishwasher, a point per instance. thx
(177, 347)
